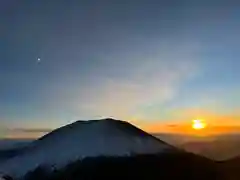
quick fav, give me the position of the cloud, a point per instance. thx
(31, 130)
(23, 133)
(152, 82)
(172, 125)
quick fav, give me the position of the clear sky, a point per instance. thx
(150, 62)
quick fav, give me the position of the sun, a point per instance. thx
(198, 124)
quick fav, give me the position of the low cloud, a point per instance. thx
(23, 133)
(152, 82)
(32, 130)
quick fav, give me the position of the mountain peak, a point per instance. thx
(105, 137)
(104, 120)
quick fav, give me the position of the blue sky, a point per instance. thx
(139, 61)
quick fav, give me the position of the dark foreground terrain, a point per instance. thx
(230, 169)
(168, 166)
(145, 167)
(171, 164)
(10, 153)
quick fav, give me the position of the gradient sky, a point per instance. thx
(150, 62)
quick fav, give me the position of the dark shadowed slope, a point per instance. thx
(166, 166)
(83, 139)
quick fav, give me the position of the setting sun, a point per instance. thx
(198, 124)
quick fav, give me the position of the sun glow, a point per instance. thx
(198, 124)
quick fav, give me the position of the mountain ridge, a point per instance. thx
(107, 137)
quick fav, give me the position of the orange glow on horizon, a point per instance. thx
(216, 123)
(186, 128)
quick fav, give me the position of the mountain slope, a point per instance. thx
(10, 153)
(83, 139)
(163, 166)
(230, 168)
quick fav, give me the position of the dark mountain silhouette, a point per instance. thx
(109, 149)
(167, 166)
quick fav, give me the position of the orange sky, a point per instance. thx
(153, 128)
(216, 124)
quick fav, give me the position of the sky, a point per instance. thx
(154, 63)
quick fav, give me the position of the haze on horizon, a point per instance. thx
(157, 64)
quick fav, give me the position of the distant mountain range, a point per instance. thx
(13, 143)
(220, 147)
(96, 148)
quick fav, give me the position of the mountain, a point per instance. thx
(84, 139)
(10, 153)
(230, 168)
(163, 166)
(11, 148)
(177, 139)
(220, 148)
(6, 144)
